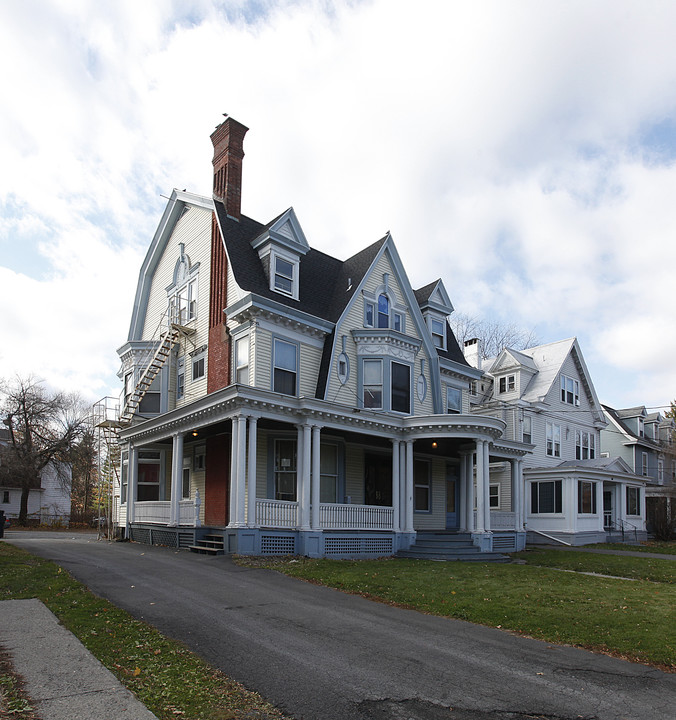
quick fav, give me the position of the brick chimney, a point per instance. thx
(228, 142)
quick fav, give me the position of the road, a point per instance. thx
(320, 654)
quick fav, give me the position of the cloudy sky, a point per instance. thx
(522, 150)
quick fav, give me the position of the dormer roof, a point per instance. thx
(434, 297)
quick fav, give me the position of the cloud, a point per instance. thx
(527, 147)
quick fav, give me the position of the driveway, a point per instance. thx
(321, 654)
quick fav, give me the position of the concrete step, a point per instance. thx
(474, 557)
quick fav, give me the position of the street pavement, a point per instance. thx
(321, 654)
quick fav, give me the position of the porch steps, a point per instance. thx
(209, 545)
(449, 546)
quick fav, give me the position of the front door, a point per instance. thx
(607, 509)
(451, 500)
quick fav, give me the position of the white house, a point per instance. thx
(546, 398)
(280, 400)
(48, 504)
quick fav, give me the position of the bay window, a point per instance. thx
(285, 367)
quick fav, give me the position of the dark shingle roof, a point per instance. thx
(422, 294)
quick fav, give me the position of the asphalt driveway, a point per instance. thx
(321, 654)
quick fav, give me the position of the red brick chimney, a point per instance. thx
(228, 141)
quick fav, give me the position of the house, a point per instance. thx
(546, 398)
(280, 400)
(48, 501)
(645, 441)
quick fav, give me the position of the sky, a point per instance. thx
(523, 151)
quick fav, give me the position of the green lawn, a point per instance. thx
(651, 546)
(634, 619)
(168, 678)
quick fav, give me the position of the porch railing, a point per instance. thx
(503, 520)
(159, 511)
(276, 513)
(284, 514)
(355, 517)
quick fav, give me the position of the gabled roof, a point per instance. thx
(618, 421)
(510, 359)
(324, 281)
(434, 297)
(614, 464)
(638, 411)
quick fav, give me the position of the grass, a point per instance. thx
(652, 546)
(630, 618)
(169, 679)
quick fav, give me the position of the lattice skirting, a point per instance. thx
(356, 546)
(167, 537)
(278, 545)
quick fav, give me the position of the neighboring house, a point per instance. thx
(645, 441)
(287, 401)
(546, 398)
(48, 503)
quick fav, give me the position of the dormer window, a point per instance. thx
(284, 275)
(507, 384)
(438, 330)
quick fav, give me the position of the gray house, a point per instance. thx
(645, 441)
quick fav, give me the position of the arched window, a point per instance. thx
(383, 312)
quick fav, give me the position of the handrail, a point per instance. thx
(550, 537)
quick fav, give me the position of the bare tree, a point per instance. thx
(84, 471)
(42, 428)
(495, 336)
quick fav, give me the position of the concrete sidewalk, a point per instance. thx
(63, 679)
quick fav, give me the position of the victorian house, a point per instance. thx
(280, 400)
(574, 494)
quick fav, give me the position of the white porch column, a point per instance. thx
(409, 486)
(176, 478)
(305, 467)
(487, 490)
(395, 484)
(132, 482)
(480, 482)
(469, 497)
(233, 473)
(517, 493)
(251, 473)
(402, 485)
(240, 516)
(316, 475)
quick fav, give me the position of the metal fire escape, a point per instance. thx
(111, 415)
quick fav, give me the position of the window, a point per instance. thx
(660, 471)
(453, 400)
(198, 366)
(546, 497)
(383, 311)
(641, 427)
(398, 322)
(438, 330)
(343, 368)
(148, 476)
(328, 469)
(373, 384)
(242, 360)
(494, 496)
(553, 439)
(586, 497)
(421, 481)
(199, 459)
(285, 469)
(284, 275)
(584, 445)
(570, 391)
(183, 303)
(124, 477)
(5, 496)
(180, 379)
(369, 311)
(185, 485)
(507, 384)
(285, 367)
(633, 501)
(527, 432)
(472, 388)
(401, 388)
(644, 464)
(150, 402)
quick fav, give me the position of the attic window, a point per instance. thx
(570, 391)
(283, 275)
(507, 384)
(438, 330)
